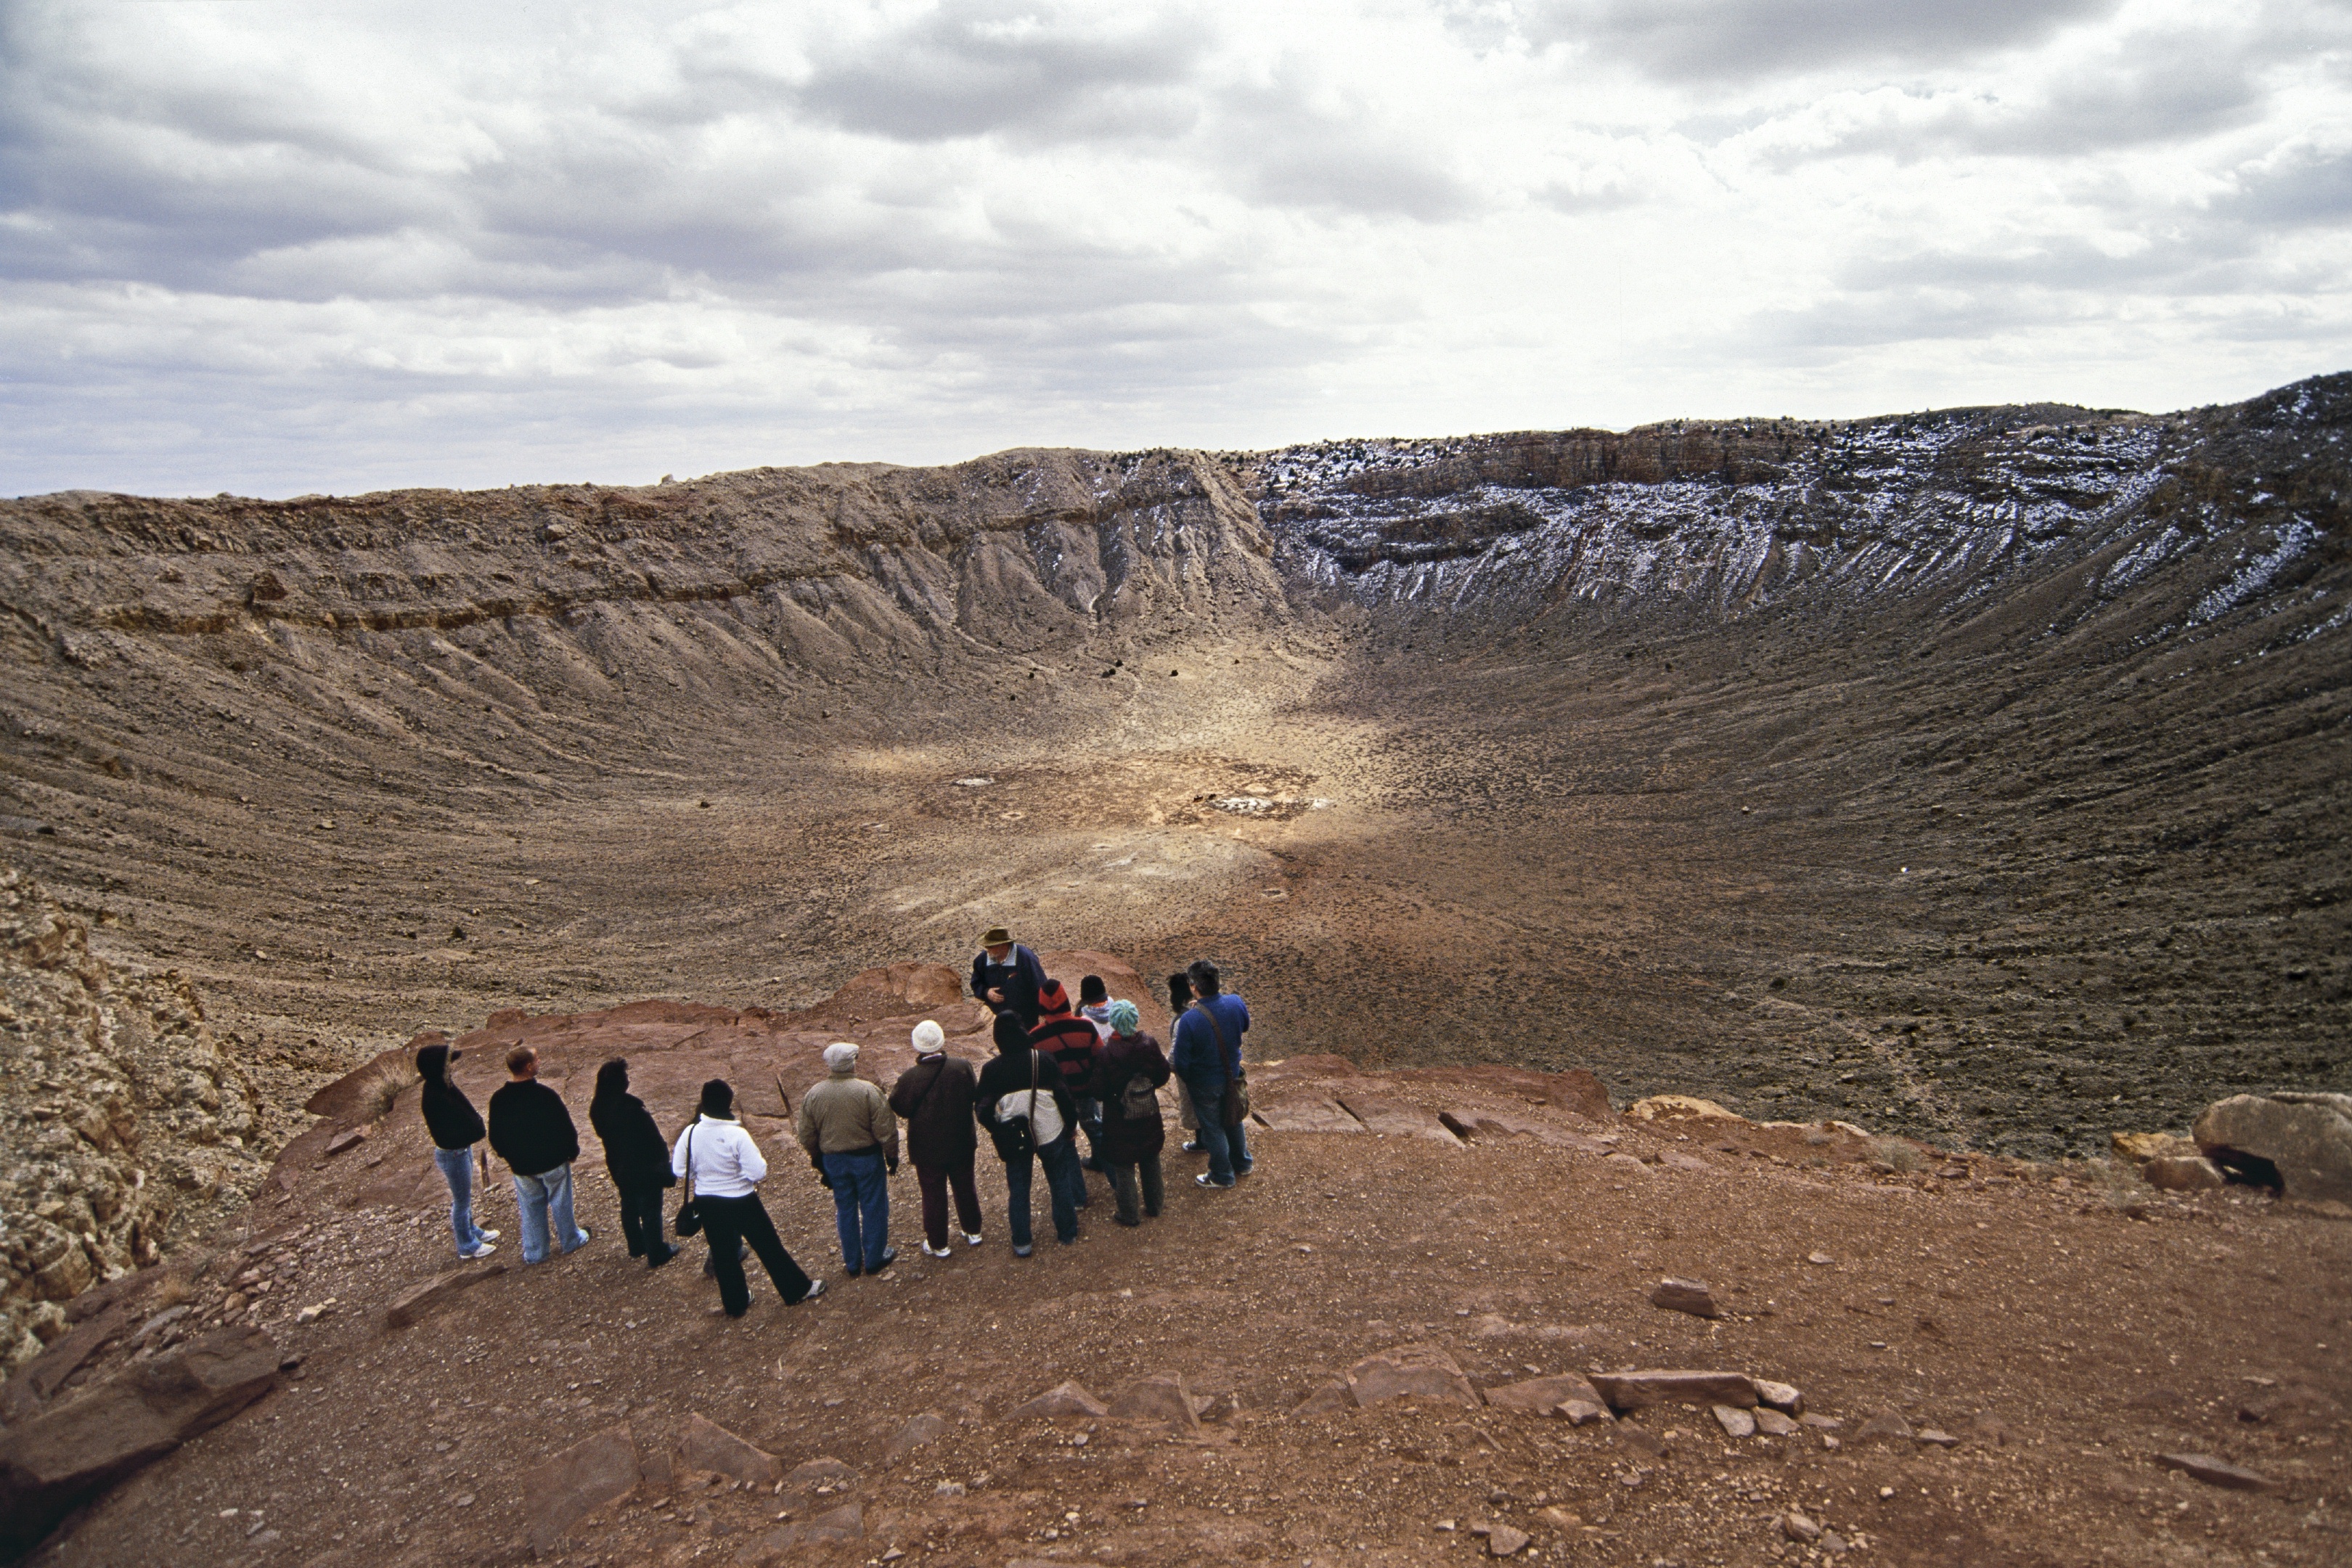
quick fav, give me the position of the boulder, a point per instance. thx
(1423, 1370)
(2302, 1142)
(1543, 1395)
(1162, 1398)
(1690, 1296)
(1786, 1397)
(1063, 1399)
(2216, 1472)
(2181, 1173)
(705, 1444)
(61, 1458)
(1640, 1390)
(422, 1300)
(2141, 1147)
(570, 1486)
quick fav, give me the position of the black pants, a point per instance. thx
(641, 1218)
(1123, 1184)
(728, 1222)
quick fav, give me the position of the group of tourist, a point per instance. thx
(1061, 1071)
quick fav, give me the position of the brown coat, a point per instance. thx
(935, 1097)
(1125, 1140)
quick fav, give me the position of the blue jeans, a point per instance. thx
(1060, 1159)
(457, 1170)
(536, 1197)
(1227, 1147)
(861, 1207)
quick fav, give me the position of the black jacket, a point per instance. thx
(449, 1116)
(532, 1129)
(935, 1097)
(1126, 1139)
(635, 1151)
(1008, 1072)
(1020, 984)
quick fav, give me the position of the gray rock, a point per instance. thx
(53, 1463)
(928, 1428)
(1063, 1399)
(1735, 1421)
(1639, 1390)
(2181, 1173)
(2305, 1137)
(1331, 1398)
(2216, 1472)
(1799, 1526)
(1772, 1424)
(1501, 1540)
(1886, 1426)
(1542, 1396)
(1785, 1397)
(1162, 1398)
(1422, 1370)
(420, 1301)
(570, 1486)
(1690, 1296)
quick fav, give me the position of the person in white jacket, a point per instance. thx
(725, 1167)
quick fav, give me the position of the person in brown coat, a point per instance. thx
(1130, 1068)
(934, 1099)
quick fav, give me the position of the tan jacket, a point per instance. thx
(846, 1113)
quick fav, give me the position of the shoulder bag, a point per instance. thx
(689, 1217)
(1236, 1108)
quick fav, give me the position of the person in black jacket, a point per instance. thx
(456, 1127)
(1027, 1082)
(1006, 976)
(532, 1131)
(637, 1156)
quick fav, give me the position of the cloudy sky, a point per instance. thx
(343, 246)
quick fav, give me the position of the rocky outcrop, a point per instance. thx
(122, 1128)
(52, 1464)
(2301, 1144)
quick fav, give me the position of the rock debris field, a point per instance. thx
(1791, 903)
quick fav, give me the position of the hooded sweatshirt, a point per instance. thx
(449, 1116)
(635, 1151)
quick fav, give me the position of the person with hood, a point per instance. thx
(1074, 1046)
(935, 1097)
(1006, 976)
(456, 1127)
(1021, 1101)
(846, 1126)
(637, 1155)
(532, 1131)
(723, 1169)
(1208, 1058)
(1132, 1068)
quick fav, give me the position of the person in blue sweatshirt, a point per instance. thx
(1208, 1058)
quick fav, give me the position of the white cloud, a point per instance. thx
(281, 247)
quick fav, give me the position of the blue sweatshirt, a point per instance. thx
(1195, 1057)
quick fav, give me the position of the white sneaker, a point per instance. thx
(817, 1289)
(490, 1236)
(930, 1251)
(971, 1238)
(482, 1251)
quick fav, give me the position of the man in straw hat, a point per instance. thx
(1006, 976)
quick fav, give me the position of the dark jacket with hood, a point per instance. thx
(635, 1151)
(935, 1098)
(530, 1128)
(1126, 1139)
(449, 1116)
(1009, 1072)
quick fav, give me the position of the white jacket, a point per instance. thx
(727, 1164)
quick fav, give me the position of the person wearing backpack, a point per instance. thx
(934, 1099)
(1028, 1112)
(723, 1168)
(1207, 1056)
(456, 1127)
(1125, 1083)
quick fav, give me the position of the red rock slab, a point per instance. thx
(1575, 1091)
(1425, 1371)
(1640, 1390)
(1063, 1399)
(1303, 1108)
(570, 1485)
(1542, 1396)
(1393, 1117)
(1473, 1122)
(705, 1444)
(1162, 1398)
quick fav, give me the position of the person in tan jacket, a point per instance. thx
(846, 1125)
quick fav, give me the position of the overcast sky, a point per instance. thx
(274, 248)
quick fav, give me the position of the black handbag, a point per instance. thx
(689, 1217)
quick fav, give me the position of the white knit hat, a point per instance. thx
(929, 1037)
(840, 1056)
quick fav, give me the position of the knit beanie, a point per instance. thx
(1124, 1019)
(929, 1037)
(840, 1056)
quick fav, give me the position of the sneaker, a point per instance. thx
(890, 1255)
(817, 1289)
(1191, 1147)
(930, 1251)
(1020, 1252)
(489, 1235)
(1245, 1169)
(482, 1251)
(1212, 1182)
(971, 1238)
